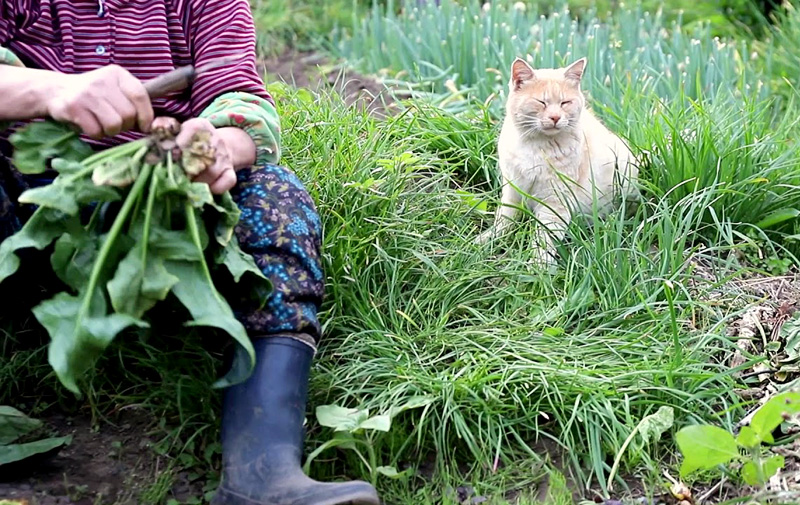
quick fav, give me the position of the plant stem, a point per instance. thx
(120, 150)
(94, 277)
(373, 462)
(148, 215)
(195, 233)
(138, 147)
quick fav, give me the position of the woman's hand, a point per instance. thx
(229, 149)
(103, 102)
(220, 175)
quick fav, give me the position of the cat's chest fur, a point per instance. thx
(530, 161)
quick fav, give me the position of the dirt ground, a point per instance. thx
(315, 72)
(110, 465)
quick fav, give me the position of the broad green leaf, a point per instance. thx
(73, 258)
(239, 263)
(196, 291)
(770, 467)
(228, 219)
(139, 283)
(14, 424)
(67, 194)
(704, 447)
(44, 226)
(553, 331)
(770, 415)
(252, 284)
(77, 342)
(173, 244)
(38, 142)
(473, 200)
(747, 437)
(341, 418)
(200, 195)
(117, 172)
(790, 333)
(66, 166)
(653, 426)
(381, 423)
(18, 452)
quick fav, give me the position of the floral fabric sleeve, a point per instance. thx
(9, 58)
(254, 115)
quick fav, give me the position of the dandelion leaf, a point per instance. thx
(139, 283)
(41, 448)
(14, 424)
(704, 447)
(67, 195)
(73, 257)
(37, 143)
(196, 291)
(43, 227)
(79, 335)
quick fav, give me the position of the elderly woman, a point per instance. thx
(83, 62)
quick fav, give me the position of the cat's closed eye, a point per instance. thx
(541, 102)
(566, 102)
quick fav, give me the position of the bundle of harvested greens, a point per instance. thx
(127, 228)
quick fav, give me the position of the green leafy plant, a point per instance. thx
(18, 441)
(704, 446)
(355, 429)
(127, 228)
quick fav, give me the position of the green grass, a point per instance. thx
(634, 51)
(510, 354)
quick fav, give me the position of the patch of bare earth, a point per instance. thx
(317, 73)
(111, 463)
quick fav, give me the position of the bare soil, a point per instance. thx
(317, 73)
(109, 464)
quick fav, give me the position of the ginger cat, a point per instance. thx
(554, 149)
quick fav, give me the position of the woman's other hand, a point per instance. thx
(102, 103)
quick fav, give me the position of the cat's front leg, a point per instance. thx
(504, 216)
(553, 221)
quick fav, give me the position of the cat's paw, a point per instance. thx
(484, 237)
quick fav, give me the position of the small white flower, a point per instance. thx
(487, 6)
(520, 6)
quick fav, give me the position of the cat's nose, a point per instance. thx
(555, 117)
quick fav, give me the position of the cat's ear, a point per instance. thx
(520, 72)
(574, 72)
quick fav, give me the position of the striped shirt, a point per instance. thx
(147, 37)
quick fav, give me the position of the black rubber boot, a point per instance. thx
(262, 435)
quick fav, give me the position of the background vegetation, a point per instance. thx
(522, 370)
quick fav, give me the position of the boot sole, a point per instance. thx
(225, 497)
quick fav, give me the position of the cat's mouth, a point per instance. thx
(553, 129)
